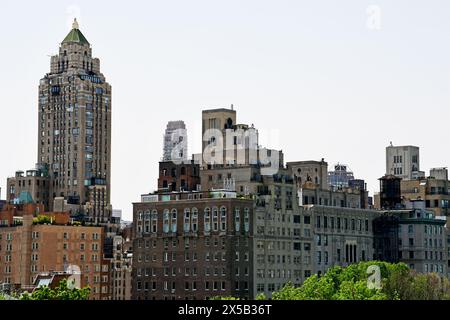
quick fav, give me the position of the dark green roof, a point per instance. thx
(75, 35)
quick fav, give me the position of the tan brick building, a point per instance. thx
(28, 248)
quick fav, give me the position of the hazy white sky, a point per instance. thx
(312, 72)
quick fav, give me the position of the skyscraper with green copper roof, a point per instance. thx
(75, 129)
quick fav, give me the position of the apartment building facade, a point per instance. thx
(29, 248)
(192, 248)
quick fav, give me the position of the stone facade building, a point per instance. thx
(342, 236)
(121, 268)
(288, 224)
(434, 190)
(403, 162)
(36, 183)
(313, 187)
(175, 142)
(414, 236)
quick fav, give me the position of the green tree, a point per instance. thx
(42, 219)
(397, 282)
(224, 298)
(61, 292)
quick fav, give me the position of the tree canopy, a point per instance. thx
(397, 282)
(61, 292)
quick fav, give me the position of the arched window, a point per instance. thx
(154, 221)
(215, 219)
(246, 220)
(187, 220)
(174, 220)
(194, 219)
(166, 215)
(207, 218)
(139, 215)
(237, 220)
(223, 219)
(147, 221)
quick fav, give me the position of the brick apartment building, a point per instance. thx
(192, 248)
(29, 248)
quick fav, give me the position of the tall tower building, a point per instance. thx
(175, 142)
(74, 142)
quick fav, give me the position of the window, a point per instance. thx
(237, 220)
(187, 220)
(194, 220)
(307, 232)
(306, 219)
(246, 220)
(215, 219)
(174, 220)
(223, 219)
(154, 221)
(207, 219)
(166, 221)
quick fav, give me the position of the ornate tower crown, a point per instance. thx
(75, 35)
